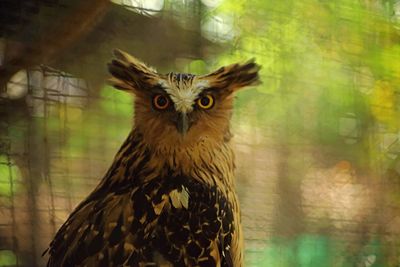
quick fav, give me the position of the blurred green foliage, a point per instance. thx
(323, 63)
(7, 258)
(9, 175)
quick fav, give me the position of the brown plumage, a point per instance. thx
(169, 197)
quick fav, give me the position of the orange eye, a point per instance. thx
(205, 102)
(160, 102)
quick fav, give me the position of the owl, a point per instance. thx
(168, 198)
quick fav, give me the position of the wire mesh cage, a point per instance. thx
(317, 144)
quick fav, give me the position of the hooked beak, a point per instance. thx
(182, 123)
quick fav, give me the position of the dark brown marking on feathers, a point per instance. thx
(194, 250)
(96, 244)
(235, 76)
(105, 261)
(116, 234)
(218, 71)
(119, 256)
(208, 263)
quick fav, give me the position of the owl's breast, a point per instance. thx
(195, 225)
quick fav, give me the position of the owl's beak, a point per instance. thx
(182, 123)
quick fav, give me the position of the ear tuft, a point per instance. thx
(129, 73)
(235, 76)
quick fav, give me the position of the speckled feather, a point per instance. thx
(167, 200)
(171, 219)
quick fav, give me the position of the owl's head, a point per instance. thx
(179, 108)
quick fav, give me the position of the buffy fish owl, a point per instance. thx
(168, 198)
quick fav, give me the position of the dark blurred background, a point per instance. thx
(317, 143)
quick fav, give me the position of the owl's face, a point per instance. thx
(181, 109)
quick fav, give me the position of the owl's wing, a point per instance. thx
(104, 232)
(165, 221)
